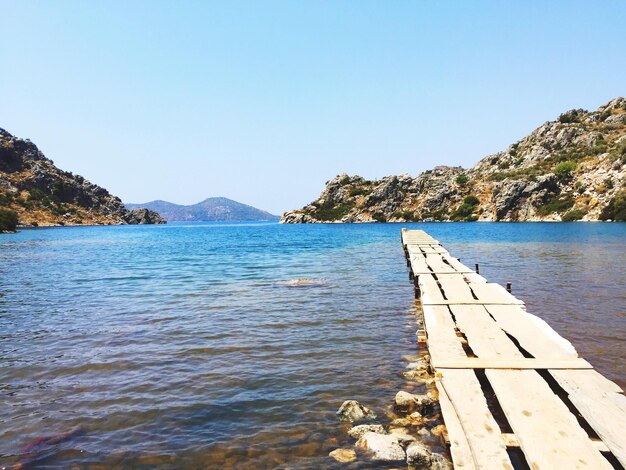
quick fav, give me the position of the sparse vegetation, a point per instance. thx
(557, 204)
(615, 209)
(574, 214)
(330, 211)
(564, 170)
(8, 220)
(462, 179)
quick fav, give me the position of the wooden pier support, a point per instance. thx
(461, 307)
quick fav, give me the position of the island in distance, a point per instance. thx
(213, 209)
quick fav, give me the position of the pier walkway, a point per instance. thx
(506, 379)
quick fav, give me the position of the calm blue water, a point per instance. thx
(179, 346)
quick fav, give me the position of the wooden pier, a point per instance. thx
(506, 379)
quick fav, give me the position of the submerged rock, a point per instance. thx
(343, 455)
(406, 402)
(381, 447)
(357, 431)
(403, 436)
(439, 462)
(353, 411)
(418, 456)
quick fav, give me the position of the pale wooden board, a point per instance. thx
(436, 263)
(491, 292)
(600, 403)
(599, 400)
(548, 433)
(455, 288)
(470, 302)
(510, 440)
(468, 419)
(531, 332)
(459, 446)
(511, 363)
(430, 290)
(456, 264)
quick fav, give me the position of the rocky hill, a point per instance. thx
(569, 169)
(41, 194)
(209, 210)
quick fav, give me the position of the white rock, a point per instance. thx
(381, 447)
(357, 431)
(353, 411)
(418, 456)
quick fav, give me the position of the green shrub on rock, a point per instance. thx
(8, 220)
(462, 179)
(564, 170)
(615, 209)
(573, 215)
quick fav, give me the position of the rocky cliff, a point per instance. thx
(41, 194)
(572, 168)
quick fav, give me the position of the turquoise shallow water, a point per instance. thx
(180, 346)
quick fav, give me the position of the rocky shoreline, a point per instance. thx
(407, 433)
(572, 168)
(40, 194)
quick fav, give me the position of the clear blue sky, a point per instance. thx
(263, 102)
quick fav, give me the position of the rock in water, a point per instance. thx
(439, 462)
(406, 402)
(353, 411)
(357, 431)
(343, 455)
(418, 456)
(144, 216)
(381, 447)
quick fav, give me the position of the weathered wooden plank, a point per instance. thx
(470, 302)
(468, 419)
(436, 263)
(549, 434)
(494, 293)
(430, 290)
(531, 332)
(599, 400)
(511, 363)
(459, 446)
(601, 403)
(455, 288)
(510, 440)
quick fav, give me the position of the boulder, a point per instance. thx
(404, 438)
(357, 431)
(381, 447)
(439, 462)
(343, 455)
(353, 411)
(418, 456)
(406, 402)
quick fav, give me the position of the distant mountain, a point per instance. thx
(35, 192)
(212, 209)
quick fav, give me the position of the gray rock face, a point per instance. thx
(144, 216)
(381, 447)
(54, 196)
(516, 184)
(353, 411)
(357, 431)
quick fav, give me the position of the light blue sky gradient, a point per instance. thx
(263, 102)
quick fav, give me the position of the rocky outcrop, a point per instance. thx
(353, 411)
(572, 168)
(381, 447)
(42, 194)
